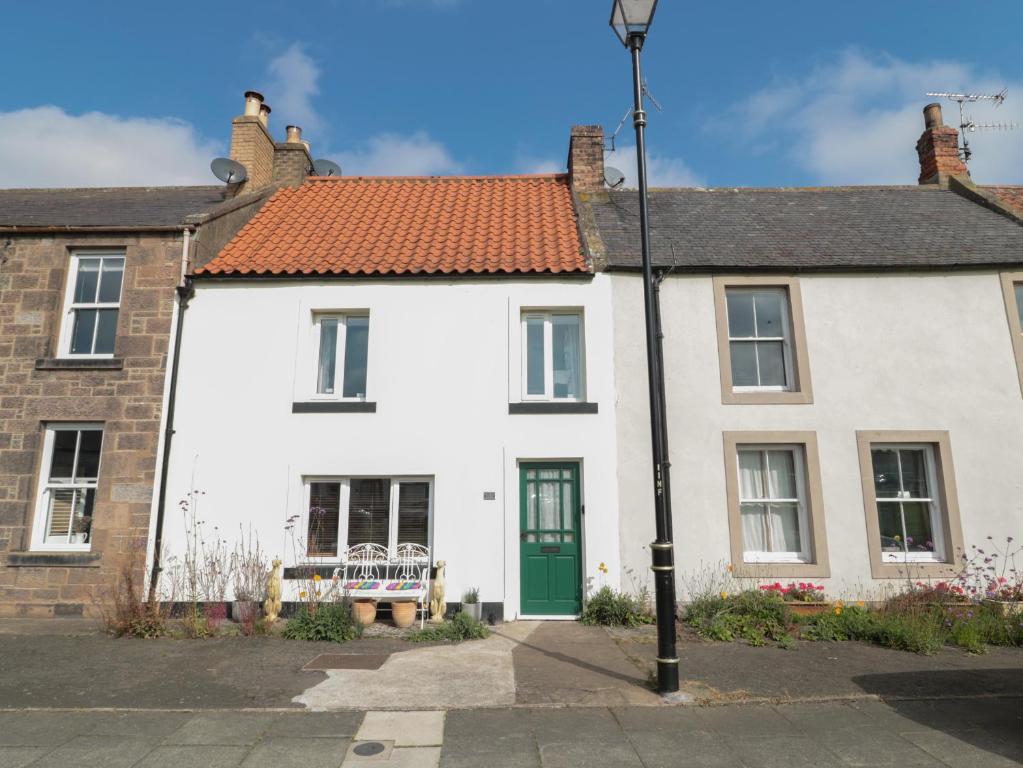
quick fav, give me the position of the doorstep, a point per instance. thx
(552, 617)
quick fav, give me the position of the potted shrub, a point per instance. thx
(471, 605)
(802, 598)
(80, 528)
(364, 611)
(249, 567)
(403, 613)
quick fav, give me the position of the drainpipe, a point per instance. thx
(185, 291)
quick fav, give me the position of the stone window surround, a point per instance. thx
(820, 567)
(1009, 282)
(949, 507)
(803, 392)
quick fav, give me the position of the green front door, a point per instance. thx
(550, 550)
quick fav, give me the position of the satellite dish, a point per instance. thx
(229, 171)
(324, 167)
(613, 177)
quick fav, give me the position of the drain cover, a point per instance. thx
(368, 748)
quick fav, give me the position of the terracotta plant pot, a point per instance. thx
(364, 612)
(800, 608)
(403, 614)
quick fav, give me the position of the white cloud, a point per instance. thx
(856, 119)
(661, 170)
(390, 153)
(293, 87)
(47, 147)
(533, 164)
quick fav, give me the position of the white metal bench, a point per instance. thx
(368, 571)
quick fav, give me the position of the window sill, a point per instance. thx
(334, 407)
(780, 570)
(53, 559)
(551, 407)
(766, 397)
(79, 363)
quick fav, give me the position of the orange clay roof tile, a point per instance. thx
(410, 225)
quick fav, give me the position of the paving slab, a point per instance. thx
(194, 757)
(297, 752)
(17, 757)
(342, 724)
(222, 728)
(584, 754)
(96, 751)
(682, 749)
(405, 729)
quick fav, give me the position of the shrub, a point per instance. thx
(471, 596)
(615, 609)
(755, 616)
(331, 621)
(461, 627)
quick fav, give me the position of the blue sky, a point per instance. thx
(791, 92)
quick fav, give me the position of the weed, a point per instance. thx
(461, 627)
(611, 608)
(331, 621)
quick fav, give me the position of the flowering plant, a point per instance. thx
(801, 592)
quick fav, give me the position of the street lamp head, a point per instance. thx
(630, 19)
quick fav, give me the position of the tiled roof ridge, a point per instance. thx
(438, 178)
(837, 188)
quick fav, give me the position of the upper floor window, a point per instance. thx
(761, 340)
(92, 304)
(343, 351)
(67, 487)
(1012, 286)
(552, 355)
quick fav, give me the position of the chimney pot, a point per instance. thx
(264, 114)
(932, 116)
(253, 100)
(294, 134)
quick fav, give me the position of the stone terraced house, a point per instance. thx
(88, 315)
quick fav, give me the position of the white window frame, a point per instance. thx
(339, 355)
(547, 315)
(44, 486)
(933, 502)
(345, 499)
(786, 339)
(70, 307)
(799, 462)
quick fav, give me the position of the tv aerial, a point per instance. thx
(966, 123)
(324, 167)
(609, 141)
(228, 171)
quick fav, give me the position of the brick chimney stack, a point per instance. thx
(251, 143)
(938, 149)
(292, 161)
(586, 158)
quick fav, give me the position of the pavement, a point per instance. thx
(554, 694)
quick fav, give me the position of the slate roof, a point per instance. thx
(106, 208)
(814, 228)
(410, 225)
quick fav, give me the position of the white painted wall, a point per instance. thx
(444, 362)
(886, 351)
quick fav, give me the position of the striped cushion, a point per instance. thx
(401, 586)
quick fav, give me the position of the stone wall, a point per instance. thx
(126, 397)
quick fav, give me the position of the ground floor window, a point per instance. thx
(908, 505)
(772, 504)
(387, 511)
(67, 488)
(776, 523)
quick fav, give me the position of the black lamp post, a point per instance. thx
(630, 20)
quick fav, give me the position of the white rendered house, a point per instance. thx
(395, 361)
